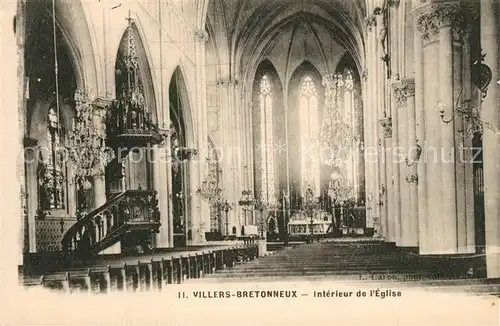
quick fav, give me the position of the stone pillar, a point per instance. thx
(242, 217)
(412, 177)
(401, 150)
(28, 174)
(370, 147)
(490, 34)
(13, 128)
(240, 163)
(405, 94)
(448, 239)
(466, 235)
(193, 203)
(381, 77)
(225, 159)
(396, 171)
(201, 108)
(163, 171)
(386, 124)
(421, 181)
(447, 231)
(99, 192)
(236, 152)
(163, 239)
(99, 182)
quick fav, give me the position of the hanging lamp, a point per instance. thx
(86, 144)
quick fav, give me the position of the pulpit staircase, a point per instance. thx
(124, 213)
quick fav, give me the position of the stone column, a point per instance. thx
(447, 240)
(396, 170)
(28, 174)
(401, 150)
(466, 237)
(237, 164)
(386, 124)
(162, 171)
(163, 239)
(201, 108)
(405, 94)
(490, 34)
(412, 176)
(376, 139)
(12, 65)
(380, 71)
(99, 182)
(236, 150)
(420, 137)
(369, 144)
(225, 159)
(439, 23)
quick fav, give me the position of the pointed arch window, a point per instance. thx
(309, 127)
(267, 140)
(350, 117)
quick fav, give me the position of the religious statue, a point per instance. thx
(384, 13)
(50, 168)
(53, 120)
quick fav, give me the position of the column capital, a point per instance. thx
(403, 88)
(457, 14)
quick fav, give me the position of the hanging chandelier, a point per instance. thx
(210, 190)
(336, 137)
(87, 141)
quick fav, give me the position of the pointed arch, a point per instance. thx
(180, 99)
(305, 69)
(268, 133)
(72, 19)
(181, 126)
(49, 173)
(352, 109)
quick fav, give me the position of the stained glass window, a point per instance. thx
(309, 132)
(267, 140)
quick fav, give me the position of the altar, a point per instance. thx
(301, 224)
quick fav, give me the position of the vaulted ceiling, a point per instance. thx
(247, 31)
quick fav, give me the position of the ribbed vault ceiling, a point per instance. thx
(247, 30)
